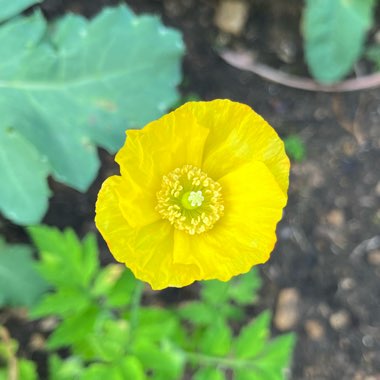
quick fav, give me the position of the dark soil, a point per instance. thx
(329, 239)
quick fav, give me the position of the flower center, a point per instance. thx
(190, 200)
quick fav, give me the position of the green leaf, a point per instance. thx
(121, 293)
(109, 342)
(197, 313)
(215, 292)
(98, 371)
(157, 324)
(295, 148)
(27, 370)
(243, 289)
(163, 360)
(75, 84)
(271, 363)
(65, 262)
(9, 9)
(209, 374)
(74, 329)
(252, 338)
(70, 369)
(23, 171)
(334, 34)
(216, 339)
(63, 303)
(277, 354)
(131, 368)
(20, 283)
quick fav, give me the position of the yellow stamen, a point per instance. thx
(190, 200)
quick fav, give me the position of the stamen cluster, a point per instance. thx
(190, 200)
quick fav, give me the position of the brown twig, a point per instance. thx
(244, 60)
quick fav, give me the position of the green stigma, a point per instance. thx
(192, 199)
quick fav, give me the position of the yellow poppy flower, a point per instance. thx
(200, 193)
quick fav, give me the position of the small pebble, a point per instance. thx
(287, 313)
(336, 218)
(37, 342)
(339, 320)
(231, 16)
(314, 329)
(347, 283)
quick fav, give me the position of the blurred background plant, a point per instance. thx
(335, 32)
(101, 320)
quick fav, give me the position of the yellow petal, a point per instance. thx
(239, 135)
(109, 220)
(163, 145)
(147, 251)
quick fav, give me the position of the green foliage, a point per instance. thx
(334, 34)
(223, 299)
(68, 86)
(295, 148)
(9, 9)
(20, 283)
(110, 335)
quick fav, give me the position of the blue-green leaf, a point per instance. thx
(23, 174)
(68, 87)
(20, 283)
(334, 33)
(12, 8)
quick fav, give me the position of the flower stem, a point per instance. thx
(135, 307)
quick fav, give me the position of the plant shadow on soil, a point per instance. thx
(328, 241)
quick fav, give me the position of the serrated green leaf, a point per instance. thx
(27, 370)
(23, 174)
(131, 368)
(277, 353)
(65, 302)
(20, 283)
(334, 34)
(106, 279)
(209, 374)
(109, 342)
(74, 329)
(252, 338)
(197, 313)
(78, 83)
(69, 369)
(216, 339)
(157, 324)
(98, 371)
(9, 9)
(163, 360)
(65, 262)
(243, 289)
(215, 292)
(121, 293)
